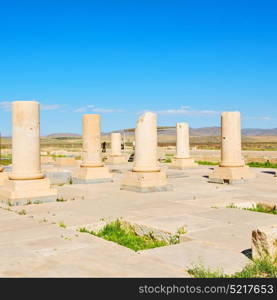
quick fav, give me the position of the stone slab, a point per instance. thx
(58, 177)
(194, 253)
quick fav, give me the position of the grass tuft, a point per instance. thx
(266, 164)
(263, 268)
(115, 232)
(207, 163)
(61, 224)
(257, 208)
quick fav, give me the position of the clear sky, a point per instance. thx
(188, 60)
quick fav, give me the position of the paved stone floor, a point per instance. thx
(33, 244)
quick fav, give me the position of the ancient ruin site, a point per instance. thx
(138, 147)
(123, 206)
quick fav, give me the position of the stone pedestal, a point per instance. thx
(47, 160)
(65, 161)
(230, 175)
(183, 163)
(182, 159)
(116, 157)
(26, 182)
(116, 160)
(92, 169)
(146, 175)
(22, 192)
(92, 175)
(232, 168)
(145, 182)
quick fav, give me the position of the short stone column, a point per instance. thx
(25, 141)
(146, 175)
(232, 167)
(182, 159)
(26, 181)
(92, 169)
(116, 156)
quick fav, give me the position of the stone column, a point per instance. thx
(182, 159)
(91, 141)
(26, 183)
(232, 168)
(116, 156)
(146, 141)
(146, 175)
(25, 141)
(116, 143)
(92, 169)
(231, 140)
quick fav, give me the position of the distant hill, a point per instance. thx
(63, 135)
(204, 131)
(209, 131)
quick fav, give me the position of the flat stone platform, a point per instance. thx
(33, 243)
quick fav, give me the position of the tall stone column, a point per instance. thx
(116, 143)
(146, 141)
(116, 156)
(146, 175)
(92, 169)
(92, 141)
(231, 140)
(182, 159)
(232, 167)
(25, 141)
(26, 182)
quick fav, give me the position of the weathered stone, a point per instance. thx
(232, 168)
(146, 175)
(47, 159)
(182, 159)
(264, 243)
(26, 182)
(65, 161)
(92, 168)
(116, 157)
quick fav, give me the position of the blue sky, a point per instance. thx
(188, 60)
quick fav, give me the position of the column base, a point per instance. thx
(47, 160)
(231, 175)
(65, 161)
(145, 182)
(22, 192)
(3, 177)
(92, 175)
(116, 160)
(183, 163)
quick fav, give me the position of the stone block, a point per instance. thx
(231, 174)
(92, 175)
(116, 160)
(21, 192)
(145, 182)
(183, 163)
(264, 243)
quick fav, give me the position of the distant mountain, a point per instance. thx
(167, 130)
(208, 131)
(258, 131)
(63, 135)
